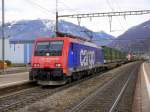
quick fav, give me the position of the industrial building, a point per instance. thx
(7, 49)
(21, 52)
(16, 52)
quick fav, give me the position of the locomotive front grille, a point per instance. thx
(48, 74)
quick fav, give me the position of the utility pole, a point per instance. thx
(56, 17)
(3, 35)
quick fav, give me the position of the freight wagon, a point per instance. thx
(113, 55)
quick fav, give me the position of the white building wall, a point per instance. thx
(17, 53)
(7, 49)
(27, 52)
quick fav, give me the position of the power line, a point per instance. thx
(57, 15)
(121, 10)
(111, 7)
(39, 6)
(69, 8)
(139, 39)
(116, 2)
(106, 14)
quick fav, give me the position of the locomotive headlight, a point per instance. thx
(36, 65)
(58, 65)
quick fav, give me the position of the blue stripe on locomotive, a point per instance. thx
(81, 56)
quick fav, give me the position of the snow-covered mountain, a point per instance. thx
(136, 39)
(102, 38)
(28, 30)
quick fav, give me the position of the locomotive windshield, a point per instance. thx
(49, 48)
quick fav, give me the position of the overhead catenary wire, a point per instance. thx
(118, 39)
(120, 9)
(67, 7)
(45, 10)
(112, 9)
(117, 17)
(106, 14)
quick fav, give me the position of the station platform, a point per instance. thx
(142, 92)
(13, 79)
(13, 70)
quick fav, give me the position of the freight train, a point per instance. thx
(56, 61)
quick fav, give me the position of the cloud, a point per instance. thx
(45, 9)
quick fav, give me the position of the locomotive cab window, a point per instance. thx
(50, 48)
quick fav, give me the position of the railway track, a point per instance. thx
(16, 100)
(5, 91)
(20, 99)
(115, 96)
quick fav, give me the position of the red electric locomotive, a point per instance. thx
(55, 61)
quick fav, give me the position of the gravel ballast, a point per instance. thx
(66, 99)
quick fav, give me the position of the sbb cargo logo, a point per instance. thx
(87, 57)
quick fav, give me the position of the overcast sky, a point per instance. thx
(45, 9)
